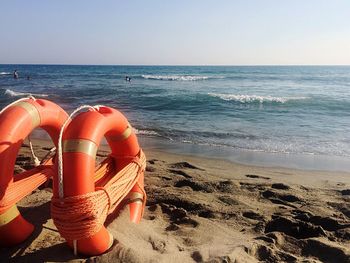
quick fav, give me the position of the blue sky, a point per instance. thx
(160, 32)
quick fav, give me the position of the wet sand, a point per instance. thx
(207, 210)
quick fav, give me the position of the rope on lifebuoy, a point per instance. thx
(60, 155)
(19, 100)
(59, 148)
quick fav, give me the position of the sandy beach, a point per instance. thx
(241, 109)
(207, 210)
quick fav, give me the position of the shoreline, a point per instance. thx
(217, 164)
(304, 162)
(308, 162)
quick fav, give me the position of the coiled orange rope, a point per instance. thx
(82, 216)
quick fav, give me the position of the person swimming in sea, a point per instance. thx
(15, 74)
(127, 78)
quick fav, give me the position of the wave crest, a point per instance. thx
(253, 98)
(146, 132)
(175, 77)
(5, 73)
(12, 93)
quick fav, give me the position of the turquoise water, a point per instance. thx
(261, 109)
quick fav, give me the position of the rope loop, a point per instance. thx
(36, 160)
(16, 101)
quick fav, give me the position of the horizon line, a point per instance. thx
(182, 65)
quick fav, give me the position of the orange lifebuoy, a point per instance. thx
(16, 123)
(81, 140)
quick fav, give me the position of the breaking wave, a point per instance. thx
(12, 93)
(253, 98)
(174, 77)
(146, 132)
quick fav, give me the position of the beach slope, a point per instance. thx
(206, 210)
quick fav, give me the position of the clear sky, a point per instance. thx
(164, 32)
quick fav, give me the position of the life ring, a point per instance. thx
(16, 123)
(81, 140)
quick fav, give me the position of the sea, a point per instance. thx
(287, 116)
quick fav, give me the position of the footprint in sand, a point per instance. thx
(150, 169)
(195, 186)
(283, 199)
(180, 172)
(158, 245)
(253, 215)
(327, 223)
(280, 186)
(295, 228)
(182, 165)
(178, 216)
(324, 252)
(267, 254)
(228, 200)
(257, 176)
(154, 161)
(22, 158)
(345, 192)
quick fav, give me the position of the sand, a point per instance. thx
(207, 210)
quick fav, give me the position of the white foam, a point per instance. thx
(253, 98)
(175, 77)
(12, 93)
(5, 73)
(146, 132)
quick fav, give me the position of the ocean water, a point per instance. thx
(284, 110)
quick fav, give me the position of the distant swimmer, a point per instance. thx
(127, 78)
(29, 78)
(15, 74)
